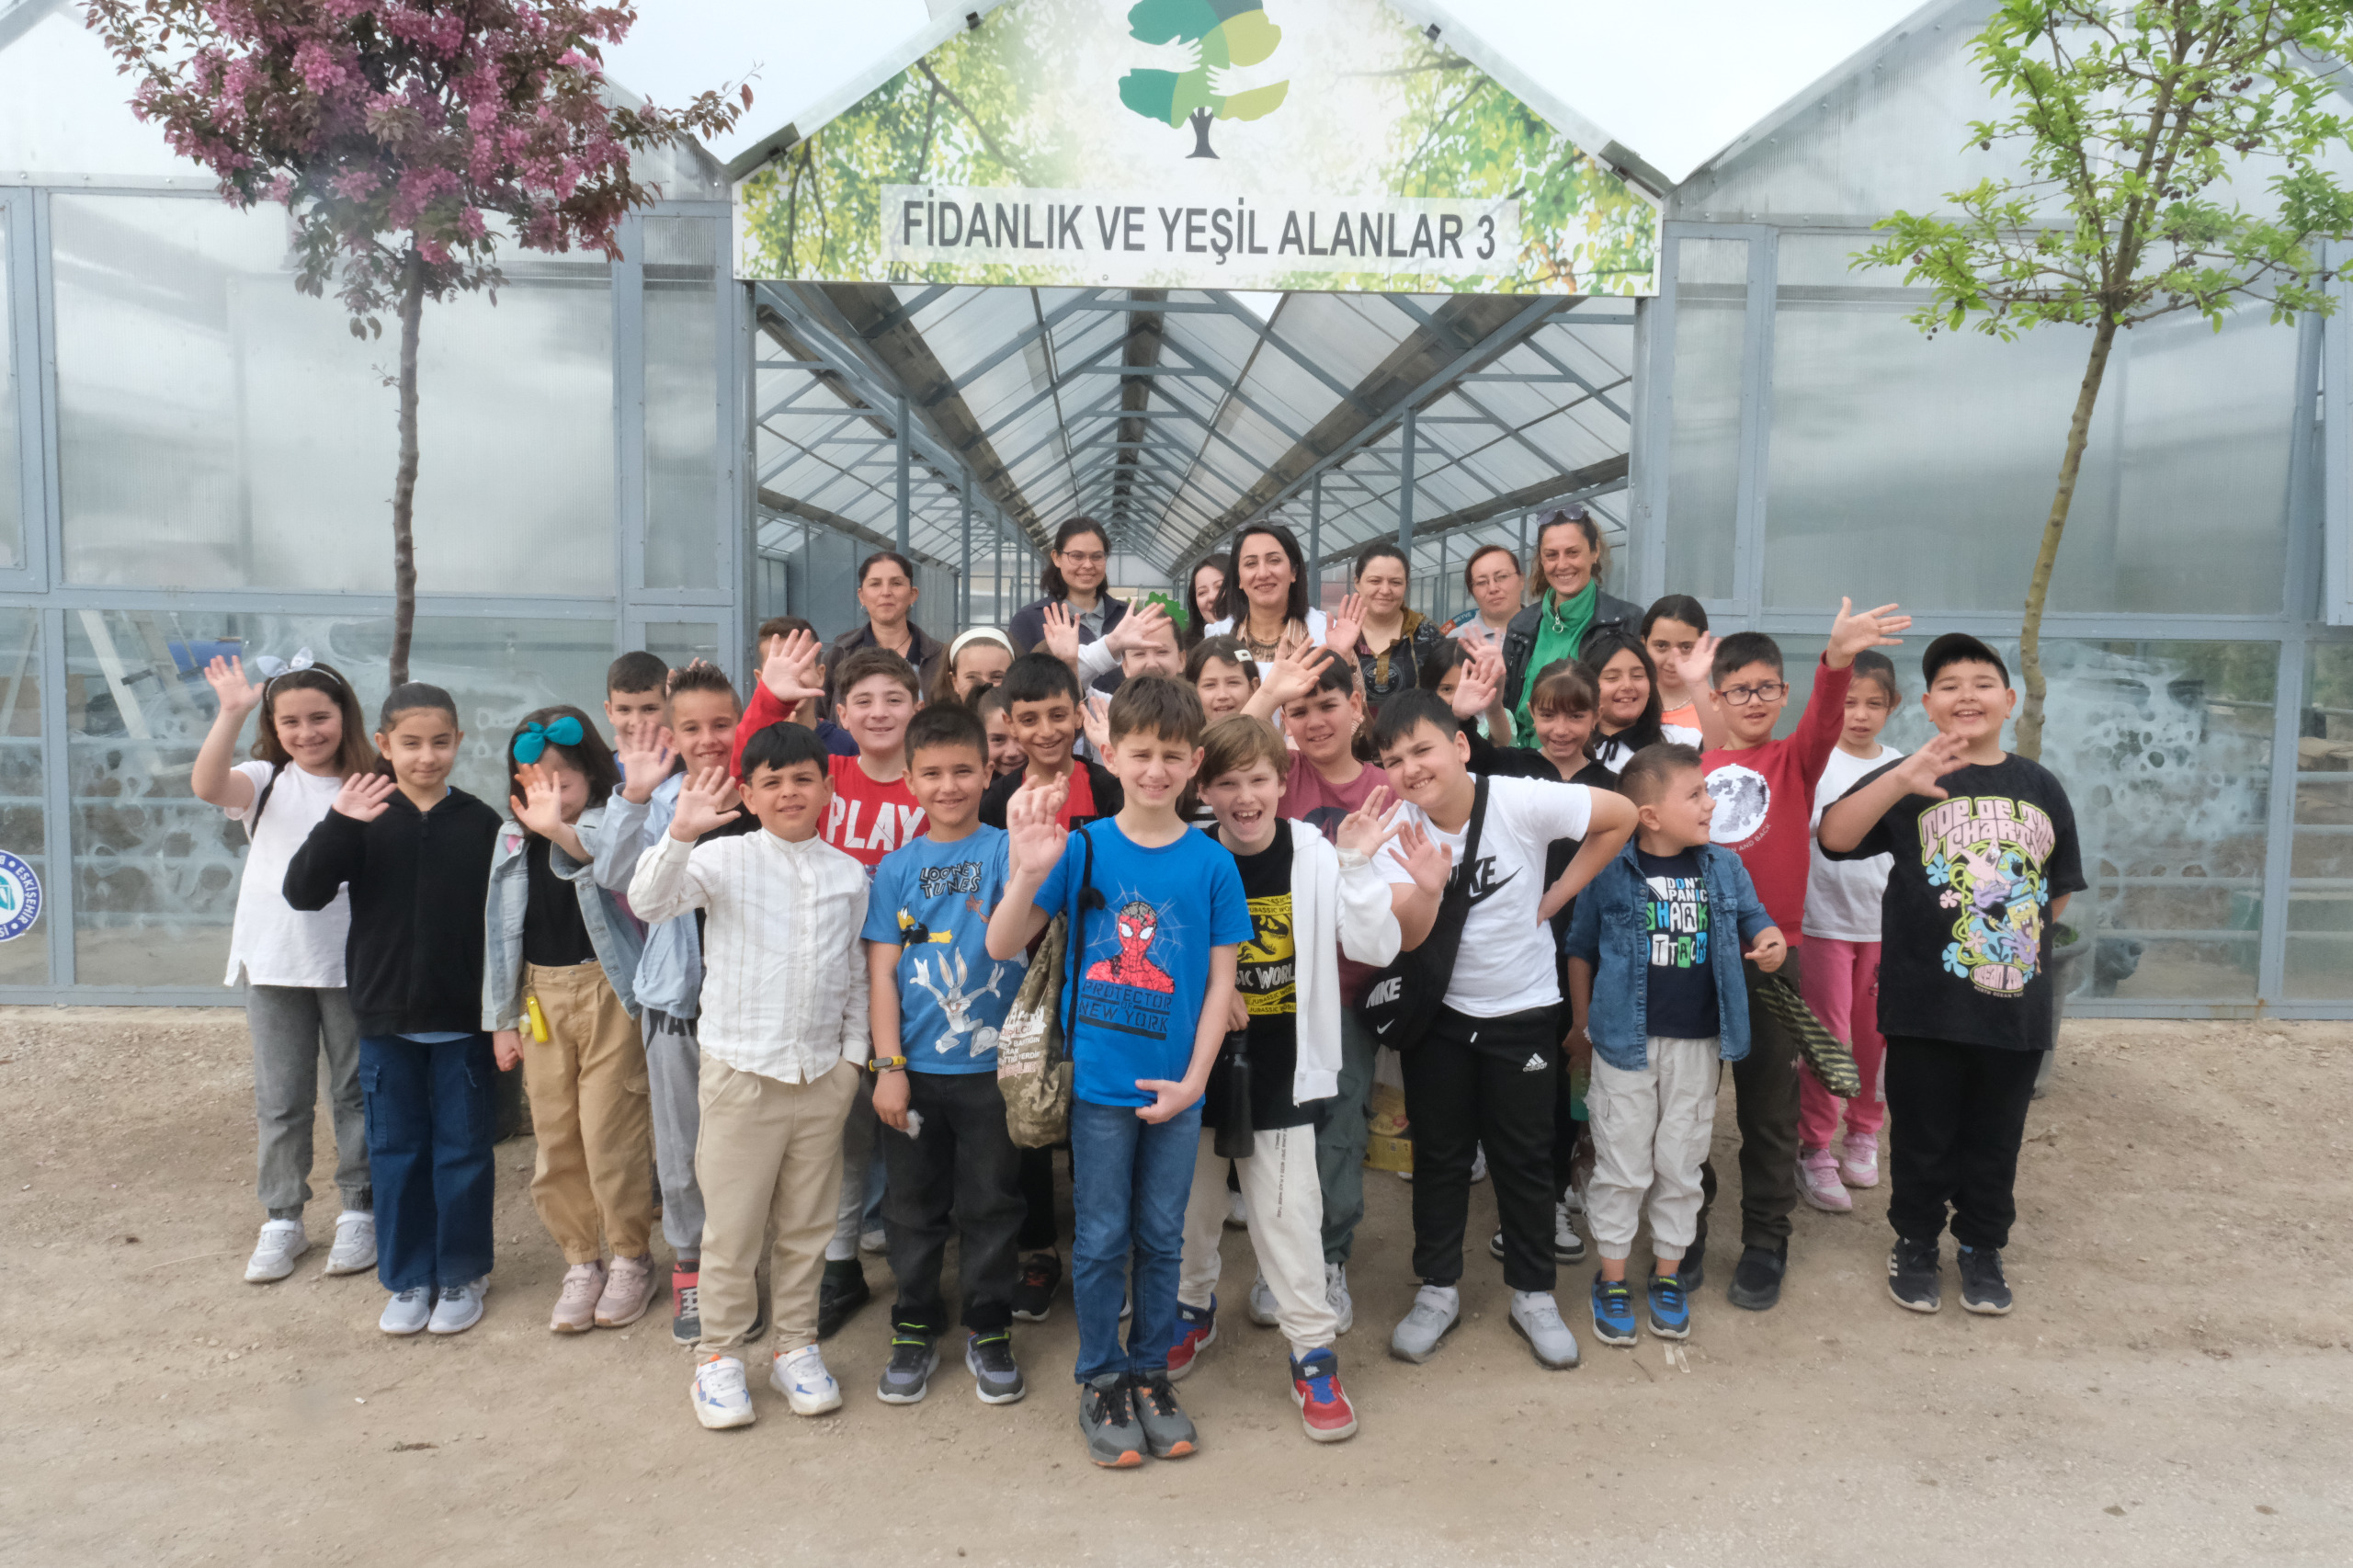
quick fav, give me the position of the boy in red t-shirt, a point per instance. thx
(1763, 793)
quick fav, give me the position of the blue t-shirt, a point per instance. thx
(1146, 962)
(933, 900)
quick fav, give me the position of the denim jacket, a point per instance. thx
(613, 931)
(1610, 932)
(669, 975)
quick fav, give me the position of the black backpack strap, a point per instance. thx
(261, 801)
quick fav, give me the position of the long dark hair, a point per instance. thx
(591, 756)
(1234, 605)
(1049, 581)
(1676, 606)
(355, 755)
(1600, 649)
(1188, 634)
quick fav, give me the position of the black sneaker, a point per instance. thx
(839, 1295)
(907, 1379)
(1756, 1277)
(996, 1377)
(1167, 1430)
(1983, 1288)
(1107, 1416)
(1033, 1295)
(1911, 1275)
(1495, 1244)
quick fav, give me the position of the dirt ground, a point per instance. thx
(2174, 1387)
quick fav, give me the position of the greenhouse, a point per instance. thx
(854, 337)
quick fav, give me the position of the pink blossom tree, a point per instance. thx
(408, 139)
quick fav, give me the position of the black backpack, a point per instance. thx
(1403, 1000)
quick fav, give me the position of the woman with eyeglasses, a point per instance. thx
(1493, 579)
(1569, 613)
(1076, 570)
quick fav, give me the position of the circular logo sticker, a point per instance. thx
(19, 897)
(1743, 797)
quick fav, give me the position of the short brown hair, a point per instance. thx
(701, 677)
(865, 663)
(781, 626)
(1565, 687)
(1647, 773)
(636, 672)
(1157, 706)
(1238, 740)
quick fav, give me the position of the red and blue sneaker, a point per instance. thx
(1195, 1332)
(1324, 1407)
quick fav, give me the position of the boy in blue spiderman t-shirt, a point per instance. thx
(1157, 912)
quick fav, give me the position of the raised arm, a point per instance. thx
(1851, 817)
(215, 779)
(1415, 902)
(1035, 841)
(336, 850)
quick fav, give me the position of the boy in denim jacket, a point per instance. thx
(1672, 1006)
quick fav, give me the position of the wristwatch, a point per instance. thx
(881, 1065)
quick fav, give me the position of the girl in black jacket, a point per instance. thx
(416, 854)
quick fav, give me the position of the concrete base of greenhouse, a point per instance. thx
(2169, 1390)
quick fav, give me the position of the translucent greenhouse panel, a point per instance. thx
(218, 429)
(156, 870)
(12, 478)
(682, 381)
(1703, 450)
(2165, 749)
(24, 816)
(1921, 469)
(2320, 891)
(679, 642)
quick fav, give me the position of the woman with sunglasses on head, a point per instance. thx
(1075, 570)
(1570, 558)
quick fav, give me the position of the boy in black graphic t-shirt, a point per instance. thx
(1985, 855)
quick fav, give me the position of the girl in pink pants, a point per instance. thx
(1840, 979)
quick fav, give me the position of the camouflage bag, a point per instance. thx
(1032, 1054)
(1825, 1053)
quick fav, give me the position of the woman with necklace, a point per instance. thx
(1569, 561)
(1265, 602)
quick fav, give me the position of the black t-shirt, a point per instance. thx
(1682, 980)
(1267, 974)
(554, 936)
(1965, 928)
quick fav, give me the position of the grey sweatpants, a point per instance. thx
(301, 1033)
(1340, 1139)
(673, 1076)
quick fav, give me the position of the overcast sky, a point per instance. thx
(1674, 80)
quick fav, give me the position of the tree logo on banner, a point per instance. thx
(1222, 33)
(19, 897)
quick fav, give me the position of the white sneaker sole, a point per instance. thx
(1922, 1307)
(1567, 1366)
(1400, 1353)
(1985, 1309)
(981, 1388)
(806, 1403)
(714, 1419)
(403, 1331)
(1178, 1374)
(1336, 1435)
(260, 1273)
(435, 1325)
(604, 1321)
(916, 1397)
(340, 1266)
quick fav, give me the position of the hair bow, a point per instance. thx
(536, 738)
(271, 667)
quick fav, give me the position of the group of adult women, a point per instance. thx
(1258, 590)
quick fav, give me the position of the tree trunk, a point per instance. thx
(404, 477)
(2029, 731)
(1199, 120)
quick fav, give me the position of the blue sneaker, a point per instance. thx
(1613, 1311)
(1670, 1314)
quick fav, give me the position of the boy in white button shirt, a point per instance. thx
(784, 1037)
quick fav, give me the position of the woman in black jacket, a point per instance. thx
(416, 854)
(1570, 608)
(1074, 577)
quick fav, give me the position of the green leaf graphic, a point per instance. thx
(1223, 33)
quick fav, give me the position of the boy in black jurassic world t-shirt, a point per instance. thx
(1985, 856)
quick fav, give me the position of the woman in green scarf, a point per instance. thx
(1571, 607)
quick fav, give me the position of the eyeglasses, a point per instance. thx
(1084, 558)
(1741, 695)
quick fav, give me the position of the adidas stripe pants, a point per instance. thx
(1491, 1083)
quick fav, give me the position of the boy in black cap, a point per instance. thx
(1985, 856)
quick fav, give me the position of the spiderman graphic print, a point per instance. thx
(1140, 952)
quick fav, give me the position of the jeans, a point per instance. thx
(1491, 1081)
(429, 1126)
(1130, 1179)
(1765, 1106)
(961, 1163)
(1960, 1114)
(1340, 1139)
(302, 1033)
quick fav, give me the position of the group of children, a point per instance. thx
(754, 961)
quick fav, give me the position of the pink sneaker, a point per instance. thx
(576, 1310)
(1818, 1181)
(1858, 1159)
(628, 1288)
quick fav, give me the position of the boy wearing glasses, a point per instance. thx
(1764, 812)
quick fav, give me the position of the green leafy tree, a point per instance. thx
(1222, 33)
(2139, 129)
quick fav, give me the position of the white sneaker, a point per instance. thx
(720, 1398)
(1436, 1309)
(1237, 1213)
(877, 1240)
(281, 1243)
(408, 1310)
(1567, 1245)
(1478, 1164)
(459, 1307)
(1335, 1292)
(1536, 1317)
(354, 1244)
(801, 1377)
(1262, 1303)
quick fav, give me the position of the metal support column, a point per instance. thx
(1316, 539)
(1438, 599)
(964, 577)
(1406, 491)
(904, 499)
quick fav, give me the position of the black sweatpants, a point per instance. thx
(1491, 1081)
(960, 1164)
(1765, 1106)
(1956, 1115)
